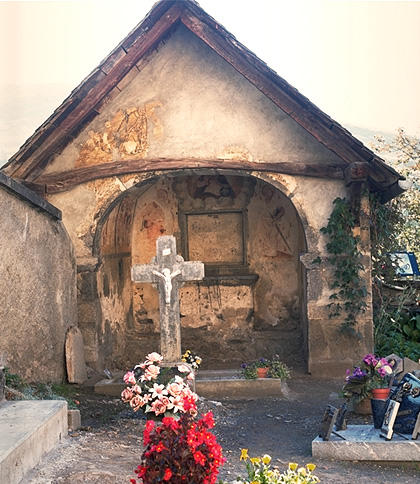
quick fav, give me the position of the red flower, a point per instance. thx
(199, 457)
(208, 420)
(167, 475)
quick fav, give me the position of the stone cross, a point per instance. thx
(168, 272)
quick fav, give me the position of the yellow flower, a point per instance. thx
(244, 454)
(293, 466)
(311, 467)
(266, 459)
(254, 482)
(255, 460)
(302, 471)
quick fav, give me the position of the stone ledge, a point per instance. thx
(364, 444)
(28, 430)
(216, 388)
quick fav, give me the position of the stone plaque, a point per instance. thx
(216, 238)
(387, 430)
(328, 421)
(75, 356)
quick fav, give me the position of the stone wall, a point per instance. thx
(37, 284)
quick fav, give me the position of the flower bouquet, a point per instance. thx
(192, 359)
(178, 451)
(373, 372)
(159, 391)
(259, 470)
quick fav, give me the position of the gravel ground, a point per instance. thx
(108, 447)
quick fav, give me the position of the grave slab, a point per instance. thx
(217, 384)
(28, 430)
(363, 443)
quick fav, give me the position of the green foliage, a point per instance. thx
(41, 391)
(276, 368)
(13, 380)
(395, 226)
(349, 291)
(403, 154)
(397, 328)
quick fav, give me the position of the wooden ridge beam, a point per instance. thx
(65, 180)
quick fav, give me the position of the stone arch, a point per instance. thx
(115, 262)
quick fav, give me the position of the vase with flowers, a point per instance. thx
(266, 368)
(371, 374)
(160, 391)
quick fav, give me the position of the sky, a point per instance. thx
(356, 60)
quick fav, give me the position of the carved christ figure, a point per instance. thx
(167, 277)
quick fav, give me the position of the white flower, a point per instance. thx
(158, 390)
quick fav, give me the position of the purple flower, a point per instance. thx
(244, 365)
(370, 359)
(358, 373)
(381, 371)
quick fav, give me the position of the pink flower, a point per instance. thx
(158, 407)
(129, 378)
(174, 388)
(136, 389)
(136, 402)
(126, 395)
(183, 369)
(151, 373)
(154, 357)
(164, 401)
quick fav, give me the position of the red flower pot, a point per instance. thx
(380, 393)
(262, 372)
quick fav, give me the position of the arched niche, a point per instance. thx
(250, 237)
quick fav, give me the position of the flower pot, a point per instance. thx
(379, 407)
(363, 407)
(380, 393)
(262, 372)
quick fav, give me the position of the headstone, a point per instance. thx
(410, 365)
(168, 272)
(341, 423)
(396, 363)
(2, 378)
(328, 421)
(75, 356)
(416, 430)
(2, 383)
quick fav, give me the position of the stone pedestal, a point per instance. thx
(363, 443)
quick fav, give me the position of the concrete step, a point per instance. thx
(214, 384)
(28, 430)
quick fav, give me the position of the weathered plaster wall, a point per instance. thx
(37, 290)
(186, 101)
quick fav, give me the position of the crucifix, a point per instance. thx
(168, 272)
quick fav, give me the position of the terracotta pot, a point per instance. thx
(262, 372)
(380, 393)
(363, 407)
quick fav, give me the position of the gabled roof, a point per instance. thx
(82, 104)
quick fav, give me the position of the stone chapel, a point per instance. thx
(183, 131)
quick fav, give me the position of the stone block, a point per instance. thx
(74, 419)
(363, 443)
(28, 430)
(75, 356)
